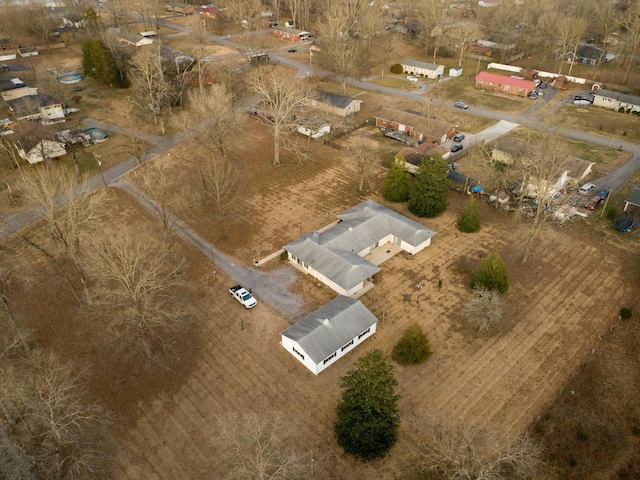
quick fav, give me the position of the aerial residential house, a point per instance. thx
(416, 126)
(585, 55)
(503, 84)
(71, 19)
(292, 34)
(12, 87)
(7, 50)
(210, 11)
(336, 104)
(36, 151)
(28, 52)
(493, 41)
(134, 39)
(36, 107)
(181, 8)
(425, 69)
(321, 338)
(616, 101)
(346, 256)
(413, 156)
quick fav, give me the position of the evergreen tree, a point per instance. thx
(428, 194)
(396, 185)
(368, 419)
(413, 347)
(491, 274)
(98, 62)
(469, 219)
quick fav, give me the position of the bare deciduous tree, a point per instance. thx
(464, 34)
(364, 159)
(345, 55)
(151, 89)
(47, 415)
(484, 309)
(631, 23)
(69, 209)
(169, 197)
(280, 97)
(240, 10)
(541, 168)
(139, 289)
(433, 16)
(252, 447)
(462, 450)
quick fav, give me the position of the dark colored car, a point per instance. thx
(593, 203)
(456, 147)
(292, 50)
(458, 137)
(603, 193)
(461, 105)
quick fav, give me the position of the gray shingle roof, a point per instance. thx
(347, 318)
(634, 196)
(417, 63)
(334, 252)
(334, 99)
(621, 97)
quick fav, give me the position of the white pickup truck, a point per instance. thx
(243, 296)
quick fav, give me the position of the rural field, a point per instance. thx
(229, 360)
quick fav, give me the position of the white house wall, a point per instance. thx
(309, 270)
(299, 352)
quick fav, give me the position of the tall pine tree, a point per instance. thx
(469, 219)
(428, 194)
(368, 419)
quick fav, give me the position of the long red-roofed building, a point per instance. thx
(503, 84)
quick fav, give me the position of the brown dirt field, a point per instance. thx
(504, 380)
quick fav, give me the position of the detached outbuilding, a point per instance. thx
(321, 338)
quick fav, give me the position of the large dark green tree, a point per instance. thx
(491, 274)
(469, 219)
(98, 62)
(368, 419)
(428, 194)
(396, 185)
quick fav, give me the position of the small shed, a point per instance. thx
(324, 336)
(455, 72)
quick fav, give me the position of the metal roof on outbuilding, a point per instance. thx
(330, 327)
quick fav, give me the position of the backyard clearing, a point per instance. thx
(501, 381)
(230, 359)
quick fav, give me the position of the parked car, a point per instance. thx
(540, 93)
(582, 103)
(533, 95)
(604, 193)
(461, 105)
(593, 203)
(243, 296)
(292, 50)
(456, 147)
(543, 85)
(458, 137)
(411, 78)
(586, 188)
(582, 97)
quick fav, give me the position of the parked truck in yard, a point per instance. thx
(243, 296)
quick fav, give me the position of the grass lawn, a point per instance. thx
(598, 120)
(397, 82)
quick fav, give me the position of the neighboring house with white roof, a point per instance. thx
(426, 69)
(38, 151)
(336, 255)
(324, 336)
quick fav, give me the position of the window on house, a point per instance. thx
(520, 90)
(329, 358)
(346, 346)
(507, 88)
(397, 241)
(491, 84)
(364, 333)
(296, 351)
